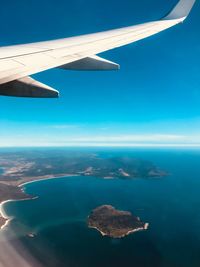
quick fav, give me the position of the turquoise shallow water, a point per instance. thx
(171, 205)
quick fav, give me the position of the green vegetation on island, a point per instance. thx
(114, 223)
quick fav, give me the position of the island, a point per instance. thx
(115, 223)
(20, 167)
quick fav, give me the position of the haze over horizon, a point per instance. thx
(153, 100)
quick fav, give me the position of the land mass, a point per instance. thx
(115, 223)
(17, 168)
(21, 167)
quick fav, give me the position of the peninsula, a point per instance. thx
(115, 223)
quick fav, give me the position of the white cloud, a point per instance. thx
(106, 141)
(64, 126)
(155, 138)
(101, 140)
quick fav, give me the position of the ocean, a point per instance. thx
(57, 219)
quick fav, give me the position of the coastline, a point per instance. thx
(4, 218)
(3, 214)
(45, 179)
(146, 226)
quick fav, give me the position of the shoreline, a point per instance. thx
(4, 217)
(146, 227)
(45, 179)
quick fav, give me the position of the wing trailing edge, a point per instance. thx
(28, 87)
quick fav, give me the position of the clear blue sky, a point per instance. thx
(153, 99)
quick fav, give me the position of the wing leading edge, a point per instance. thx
(76, 53)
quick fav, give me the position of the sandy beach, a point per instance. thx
(44, 178)
(4, 218)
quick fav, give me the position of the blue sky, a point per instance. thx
(154, 99)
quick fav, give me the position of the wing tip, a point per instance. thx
(181, 10)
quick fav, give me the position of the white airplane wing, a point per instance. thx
(76, 53)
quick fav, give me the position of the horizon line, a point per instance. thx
(104, 146)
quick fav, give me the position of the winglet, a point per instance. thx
(181, 10)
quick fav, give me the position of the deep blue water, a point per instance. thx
(171, 205)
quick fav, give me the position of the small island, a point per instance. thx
(115, 223)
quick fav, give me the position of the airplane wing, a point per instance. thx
(75, 53)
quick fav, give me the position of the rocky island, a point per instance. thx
(115, 223)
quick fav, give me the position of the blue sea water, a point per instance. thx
(171, 205)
